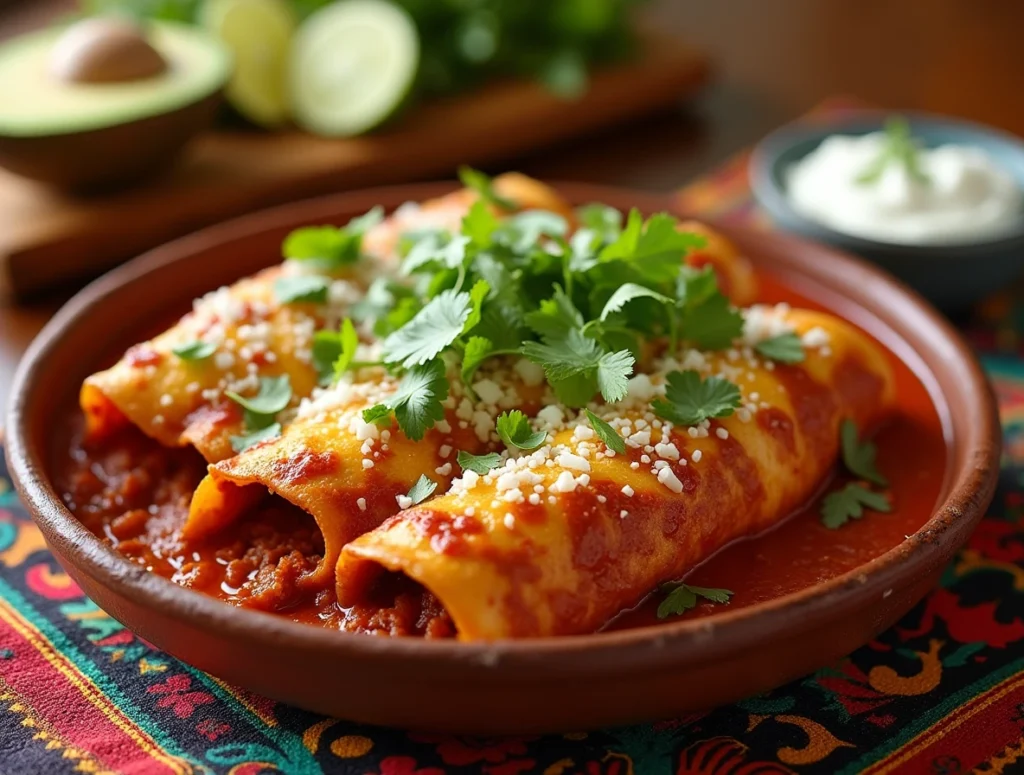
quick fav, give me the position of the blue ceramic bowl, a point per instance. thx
(951, 276)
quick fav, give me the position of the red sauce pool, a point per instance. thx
(135, 495)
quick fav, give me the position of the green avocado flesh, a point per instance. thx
(35, 103)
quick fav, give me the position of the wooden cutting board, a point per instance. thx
(47, 238)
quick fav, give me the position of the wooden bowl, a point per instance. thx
(533, 685)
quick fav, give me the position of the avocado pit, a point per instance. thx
(104, 103)
(105, 50)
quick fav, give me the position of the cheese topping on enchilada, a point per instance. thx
(517, 422)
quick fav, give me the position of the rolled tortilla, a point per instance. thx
(585, 535)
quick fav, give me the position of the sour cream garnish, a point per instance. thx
(961, 197)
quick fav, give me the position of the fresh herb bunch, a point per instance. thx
(900, 149)
(466, 44)
(583, 307)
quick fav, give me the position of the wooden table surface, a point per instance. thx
(774, 60)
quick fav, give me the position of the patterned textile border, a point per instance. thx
(942, 692)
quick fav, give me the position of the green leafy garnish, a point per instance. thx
(478, 349)
(577, 367)
(273, 396)
(484, 186)
(683, 598)
(422, 489)
(302, 288)
(899, 149)
(333, 351)
(194, 351)
(328, 247)
(859, 456)
(606, 433)
(433, 328)
(417, 401)
(785, 348)
(690, 400)
(246, 440)
(841, 506)
(479, 464)
(625, 294)
(514, 429)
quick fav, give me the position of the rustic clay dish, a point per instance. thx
(536, 685)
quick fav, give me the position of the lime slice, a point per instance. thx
(353, 63)
(259, 34)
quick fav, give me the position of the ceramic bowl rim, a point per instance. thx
(645, 648)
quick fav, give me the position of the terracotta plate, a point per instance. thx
(530, 685)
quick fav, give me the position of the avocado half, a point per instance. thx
(96, 105)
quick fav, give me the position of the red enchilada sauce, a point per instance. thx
(135, 494)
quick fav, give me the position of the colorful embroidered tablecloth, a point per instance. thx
(942, 692)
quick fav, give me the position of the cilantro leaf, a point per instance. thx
(273, 396)
(417, 401)
(433, 328)
(577, 367)
(422, 489)
(683, 597)
(841, 506)
(625, 244)
(349, 341)
(194, 351)
(691, 400)
(477, 351)
(363, 223)
(484, 186)
(859, 456)
(607, 433)
(524, 230)
(566, 356)
(625, 294)
(333, 351)
(477, 294)
(377, 413)
(555, 317)
(613, 372)
(294, 289)
(514, 429)
(713, 324)
(328, 247)
(479, 464)
(655, 247)
(695, 286)
(785, 348)
(479, 224)
(246, 440)
(602, 220)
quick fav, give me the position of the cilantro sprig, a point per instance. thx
(579, 304)
(514, 429)
(194, 351)
(478, 464)
(784, 348)
(689, 399)
(850, 501)
(900, 149)
(684, 597)
(421, 489)
(260, 411)
(325, 250)
(416, 404)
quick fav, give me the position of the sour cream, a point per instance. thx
(965, 198)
